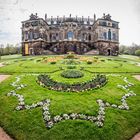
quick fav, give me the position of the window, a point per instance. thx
(70, 35)
(31, 35)
(109, 35)
(113, 25)
(104, 23)
(26, 35)
(114, 36)
(57, 37)
(36, 35)
(89, 37)
(105, 35)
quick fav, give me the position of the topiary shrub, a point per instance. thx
(109, 59)
(71, 67)
(38, 60)
(72, 74)
(89, 62)
(53, 62)
(102, 60)
(70, 56)
(95, 57)
(71, 62)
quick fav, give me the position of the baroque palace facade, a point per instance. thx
(70, 34)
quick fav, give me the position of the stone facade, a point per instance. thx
(64, 34)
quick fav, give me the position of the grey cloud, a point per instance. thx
(16, 2)
(22, 10)
(136, 4)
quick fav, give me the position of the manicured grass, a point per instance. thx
(31, 64)
(29, 124)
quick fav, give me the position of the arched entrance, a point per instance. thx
(109, 52)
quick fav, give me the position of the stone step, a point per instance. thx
(92, 52)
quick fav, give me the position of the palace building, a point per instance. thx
(61, 35)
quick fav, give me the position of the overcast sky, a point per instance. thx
(127, 12)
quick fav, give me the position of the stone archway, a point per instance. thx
(109, 51)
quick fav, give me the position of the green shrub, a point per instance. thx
(71, 62)
(38, 60)
(89, 62)
(53, 62)
(109, 59)
(70, 56)
(95, 60)
(102, 60)
(137, 53)
(71, 67)
(72, 74)
(95, 57)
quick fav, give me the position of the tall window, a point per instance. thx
(89, 37)
(109, 35)
(70, 35)
(114, 36)
(31, 35)
(57, 37)
(105, 35)
(36, 35)
(26, 35)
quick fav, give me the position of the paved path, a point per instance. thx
(3, 135)
(2, 65)
(137, 77)
(3, 77)
(136, 137)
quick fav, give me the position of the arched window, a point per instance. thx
(105, 35)
(109, 35)
(70, 35)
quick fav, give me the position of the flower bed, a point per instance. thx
(72, 74)
(97, 82)
(71, 62)
(51, 120)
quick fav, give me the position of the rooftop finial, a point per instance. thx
(94, 17)
(45, 16)
(103, 15)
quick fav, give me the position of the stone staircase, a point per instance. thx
(48, 52)
(92, 52)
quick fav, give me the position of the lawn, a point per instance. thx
(29, 124)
